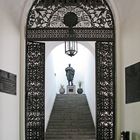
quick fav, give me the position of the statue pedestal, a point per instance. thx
(71, 89)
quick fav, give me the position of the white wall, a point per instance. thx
(61, 61)
(78, 62)
(9, 61)
(50, 85)
(130, 43)
(90, 82)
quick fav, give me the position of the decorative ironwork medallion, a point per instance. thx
(46, 22)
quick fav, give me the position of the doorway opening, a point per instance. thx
(55, 76)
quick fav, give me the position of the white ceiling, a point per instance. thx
(15, 8)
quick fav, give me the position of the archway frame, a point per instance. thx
(23, 72)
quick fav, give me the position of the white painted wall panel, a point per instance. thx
(9, 61)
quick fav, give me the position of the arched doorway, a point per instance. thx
(95, 23)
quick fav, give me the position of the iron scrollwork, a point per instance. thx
(105, 90)
(94, 14)
(35, 93)
(61, 34)
(46, 20)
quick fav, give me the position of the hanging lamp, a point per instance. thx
(71, 46)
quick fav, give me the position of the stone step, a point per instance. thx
(71, 136)
(71, 123)
(64, 117)
(79, 115)
(70, 119)
(69, 139)
(70, 127)
(70, 131)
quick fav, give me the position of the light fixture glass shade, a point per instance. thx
(71, 48)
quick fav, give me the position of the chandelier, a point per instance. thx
(71, 46)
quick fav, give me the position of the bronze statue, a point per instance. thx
(70, 74)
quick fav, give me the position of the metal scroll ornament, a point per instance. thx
(46, 20)
(35, 92)
(93, 13)
(94, 23)
(105, 90)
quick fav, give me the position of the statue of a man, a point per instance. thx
(70, 74)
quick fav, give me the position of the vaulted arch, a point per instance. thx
(46, 23)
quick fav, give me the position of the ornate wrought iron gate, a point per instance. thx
(95, 23)
(105, 90)
(35, 94)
